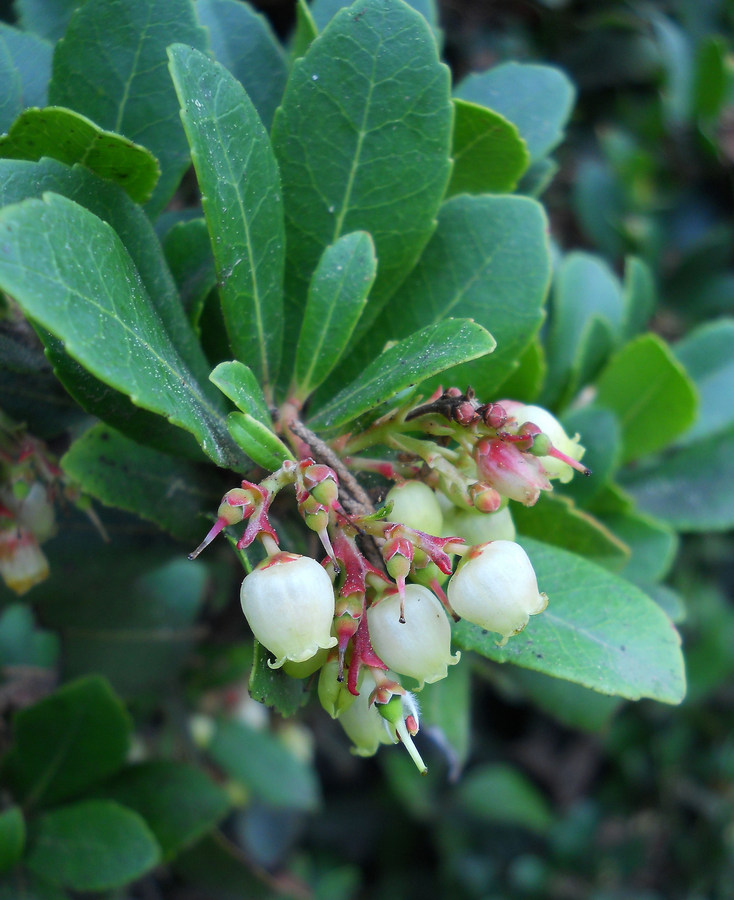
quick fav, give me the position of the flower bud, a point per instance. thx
(334, 695)
(420, 646)
(550, 426)
(496, 588)
(478, 528)
(36, 513)
(484, 497)
(22, 562)
(288, 601)
(415, 505)
(513, 473)
(363, 724)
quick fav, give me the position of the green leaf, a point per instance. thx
(238, 177)
(538, 100)
(488, 260)
(111, 67)
(325, 10)
(217, 860)
(489, 154)
(141, 632)
(577, 707)
(67, 742)
(706, 355)
(556, 520)
(405, 364)
(598, 631)
(363, 141)
(12, 837)
(586, 319)
(104, 317)
(650, 393)
(70, 138)
(23, 885)
(336, 297)
(538, 177)
(691, 489)
(652, 543)
(189, 256)
(305, 31)
(22, 644)
(179, 802)
(500, 793)
(446, 711)
(263, 764)
(274, 687)
(639, 296)
(92, 846)
(526, 378)
(243, 42)
(258, 440)
(710, 77)
(120, 473)
(601, 436)
(25, 68)
(238, 382)
(46, 18)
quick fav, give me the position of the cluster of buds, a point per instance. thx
(378, 607)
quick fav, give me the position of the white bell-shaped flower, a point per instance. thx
(421, 645)
(496, 588)
(415, 505)
(363, 724)
(477, 527)
(549, 424)
(288, 601)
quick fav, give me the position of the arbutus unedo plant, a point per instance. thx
(354, 235)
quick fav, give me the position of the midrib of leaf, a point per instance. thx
(39, 788)
(361, 134)
(253, 279)
(131, 76)
(322, 336)
(642, 400)
(476, 276)
(115, 317)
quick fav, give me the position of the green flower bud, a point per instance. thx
(415, 505)
(478, 528)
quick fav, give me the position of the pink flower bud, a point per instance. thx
(550, 426)
(288, 601)
(420, 646)
(496, 588)
(513, 473)
(415, 505)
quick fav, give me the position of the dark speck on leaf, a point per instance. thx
(538, 655)
(104, 436)
(622, 648)
(484, 631)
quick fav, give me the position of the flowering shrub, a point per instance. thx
(361, 236)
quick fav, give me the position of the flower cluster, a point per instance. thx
(378, 607)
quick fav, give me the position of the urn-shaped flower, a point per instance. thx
(415, 505)
(421, 645)
(514, 474)
(288, 601)
(549, 425)
(496, 588)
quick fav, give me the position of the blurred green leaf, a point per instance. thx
(336, 297)
(67, 742)
(446, 713)
(599, 631)
(527, 377)
(653, 545)
(538, 100)
(24, 885)
(639, 296)
(489, 154)
(238, 178)
(21, 643)
(586, 319)
(25, 68)
(489, 261)
(706, 354)
(188, 253)
(692, 488)
(70, 137)
(105, 318)
(601, 436)
(500, 793)
(12, 837)
(111, 67)
(216, 860)
(179, 803)
(243, 42)
(709, 83)
(650, 393)
(405, 364)
(91, 846)
(263, 764)
(305, 31)
(46, 18)
(556, 520)
(363, 142)
(170, 492)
